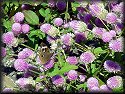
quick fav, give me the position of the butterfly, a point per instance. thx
(44, 53)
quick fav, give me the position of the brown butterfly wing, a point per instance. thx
(44, 55)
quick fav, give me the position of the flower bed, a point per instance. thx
(63, 46)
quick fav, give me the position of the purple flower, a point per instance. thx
(58, 21)
(119, 8)
(113, 33)
(105, 88)
(51, 3)
(61, 5)
(21, 65)
(95, 9)
(49, 64)
(90, 26)
(115, 82)
(92, 82)
(3, 51)
(98, 31)
(87, 18)
(99, 23)
(66, 39)
(82, 78)
(95, 89)
(117, 45)
(111, 18)
(53, 32)
(25, 28)
(72, 75)
(18, 17)
(58, 80)
(78, 26)
(50, 39)
(25, 82)
(66, 25)
(7, 90)
(72, 60)
(106, 37)
(25, 53)
(45, 27)
(8, 38)
(16, 28)
(80, 36)
(111, 66)
(87, 57)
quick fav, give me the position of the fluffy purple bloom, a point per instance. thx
(25, 82)
(51, 3)
(58, 21)
(72, 60)
(119, 8)
(8, 38)
(16, 28)
(25, 53)
(99, 23)
(111, 66)
(21, 65)
(87, 18)
(98, 31)
(92, 82)
(105, 88)
(72, 75)
(3, 51)
(82, 78)
(87, 57)
(90, 26)
(66, 39)
(113, 33)
(25, 28)
(117, 45)
(7, 90)
(115, 82)
(78, 25)
(18, 17)
(49, 64)
(80, 36)
(95, 9)
(50, 39)
(106, 37)
(61, 5)
(95, 89)
(66, 25)
(45, 27)
(111, 18)
(58, 80)
(53, 32)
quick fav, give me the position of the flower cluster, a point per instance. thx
(63, 46)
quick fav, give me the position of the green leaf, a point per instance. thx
(67, 16)
(42, 12)
(93, 67)
(31, 17)
(98, 51)
(37, 33)
(47, 11)
(55, 71)
(75, 5)
(100, 81)
(38, 79)
(67, 68)
(84, 85)
(8, 82)
(7, 24)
